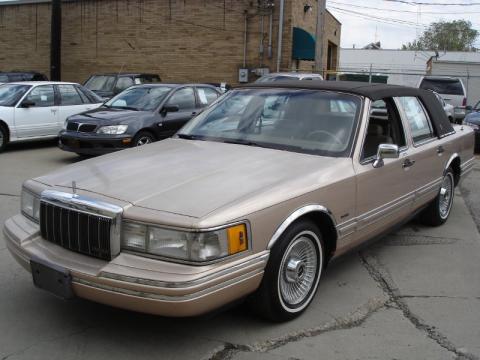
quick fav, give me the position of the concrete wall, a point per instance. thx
(182, 40)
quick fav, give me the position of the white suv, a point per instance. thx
(38, 110)
(451, 89)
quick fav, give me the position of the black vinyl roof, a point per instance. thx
(372, 91)
(440, 122)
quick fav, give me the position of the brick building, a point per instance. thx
(181, 40)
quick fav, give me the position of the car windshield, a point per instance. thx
(142, 98)
(100, 83)
(306, 121)
(443, 86)
(11, 94)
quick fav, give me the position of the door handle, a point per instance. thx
(408, 163)
(194, 113)
(440, 150)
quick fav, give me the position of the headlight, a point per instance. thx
(30, 205)
(183, 245)
(113, 130)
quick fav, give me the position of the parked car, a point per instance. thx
(140, 115)
(109, 85)
(451, 89)
(15, 76)
(282, 76)
(473, 120)
(38, 110)
(448, 108)
(253, 197)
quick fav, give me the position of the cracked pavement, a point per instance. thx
(415, 294)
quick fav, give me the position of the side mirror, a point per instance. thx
(27, 104)
(469, 108)
(169, 108)
(386, 151)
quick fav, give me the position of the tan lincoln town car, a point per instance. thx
(252, 198)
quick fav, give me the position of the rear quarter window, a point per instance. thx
(443, 86)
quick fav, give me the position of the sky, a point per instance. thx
(394, 22)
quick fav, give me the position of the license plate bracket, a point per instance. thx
(52, 278)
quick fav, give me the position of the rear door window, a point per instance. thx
(69, 95)
(206, 96)
(443, 86)
(418, 120)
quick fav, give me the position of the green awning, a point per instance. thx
(303, 45)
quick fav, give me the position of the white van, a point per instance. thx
(451, 89)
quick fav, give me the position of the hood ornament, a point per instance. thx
(74, 188)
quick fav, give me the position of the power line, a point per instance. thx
(389, 21)
(403, 11)
(431, 4)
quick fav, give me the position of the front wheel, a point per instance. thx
(3, 138)
(143, 138)
(439, 209)
(292, 273)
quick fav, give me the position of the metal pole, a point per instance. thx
(319, 43)
(270, 31)
(245, 41)
(370, 74)
(280, 35)
(56, 41)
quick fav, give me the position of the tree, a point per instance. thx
(456, 35)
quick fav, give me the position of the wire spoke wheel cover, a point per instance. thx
(446, 196)
(299, 271)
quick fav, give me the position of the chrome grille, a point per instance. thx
(76, 231)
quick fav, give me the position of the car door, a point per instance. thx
(427, 156)
(184, 98)
(37, 114)
(71, 102)
(384, 194)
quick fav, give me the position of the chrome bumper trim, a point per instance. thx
(257, 261)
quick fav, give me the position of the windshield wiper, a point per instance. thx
(190, 137)
(243, 142)
(126, 108)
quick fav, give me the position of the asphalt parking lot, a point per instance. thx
(413, 295)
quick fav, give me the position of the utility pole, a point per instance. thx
(319, 43)
(56, 41)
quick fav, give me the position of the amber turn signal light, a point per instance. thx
(237, 239)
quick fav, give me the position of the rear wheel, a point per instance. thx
(292, 273)
(3, 138)
(143, 138)
(439, 209)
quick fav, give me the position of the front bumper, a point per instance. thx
(91, 143)
(137, 283)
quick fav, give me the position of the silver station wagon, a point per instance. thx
(252, 198)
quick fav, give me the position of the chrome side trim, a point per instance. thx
(257, 261)
(449, 162)
(89, 206)
(294, 216)
(432, 186)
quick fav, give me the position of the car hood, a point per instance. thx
(110, 116)
(195, 178)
